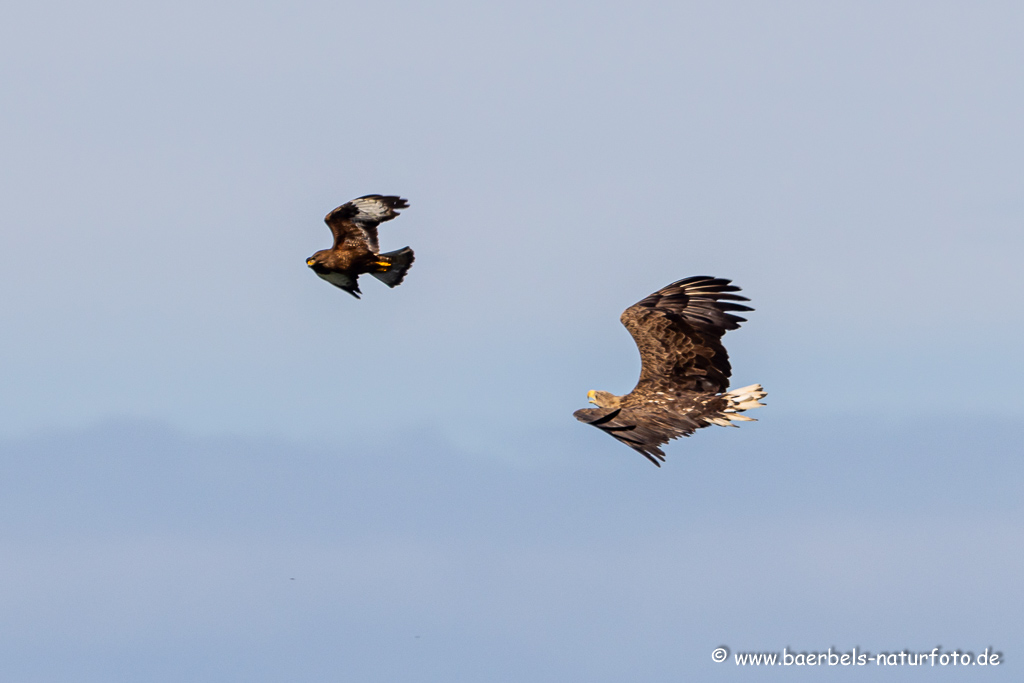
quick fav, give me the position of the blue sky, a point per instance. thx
(133, 552)
(855, 167)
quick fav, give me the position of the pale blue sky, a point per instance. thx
(133, 553)
(856, 167)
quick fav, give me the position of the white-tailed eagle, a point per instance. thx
(685, 369)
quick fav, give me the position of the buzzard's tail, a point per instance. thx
(737, 401)
(399, 263)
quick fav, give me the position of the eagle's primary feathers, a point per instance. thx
(685, 369)
(355, 251)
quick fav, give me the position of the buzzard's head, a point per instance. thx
(314, 260)
(603, 399)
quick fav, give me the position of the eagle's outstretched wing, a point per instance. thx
(358, 219)
(644, 429)
(678, 331)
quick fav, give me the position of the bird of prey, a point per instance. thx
(355, 251)
(684, 368)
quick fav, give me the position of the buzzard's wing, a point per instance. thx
(357, 220)
(642, 430)
(343, 281)
(678, 330)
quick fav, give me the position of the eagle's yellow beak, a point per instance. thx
(310, 262)
(590, 395)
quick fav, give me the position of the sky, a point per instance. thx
(186, 406)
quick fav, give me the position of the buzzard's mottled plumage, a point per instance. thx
(355, 250)
(685, 369)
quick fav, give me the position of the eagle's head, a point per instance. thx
(604, 399)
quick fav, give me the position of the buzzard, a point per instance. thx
(684, 368)
(355, 251)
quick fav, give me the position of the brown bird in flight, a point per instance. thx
(684, 371)
(355, 251)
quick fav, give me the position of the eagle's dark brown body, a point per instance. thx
(685, 368)
(356, 251)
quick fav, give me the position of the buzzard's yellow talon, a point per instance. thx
(383, 264)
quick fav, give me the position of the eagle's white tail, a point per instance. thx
(737, 401)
